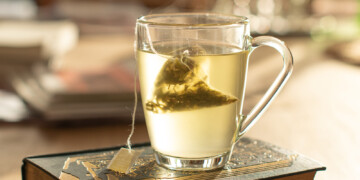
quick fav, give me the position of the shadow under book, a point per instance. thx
(251, 159)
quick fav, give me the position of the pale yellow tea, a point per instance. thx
(193, 95)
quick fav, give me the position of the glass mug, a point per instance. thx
(192, 69)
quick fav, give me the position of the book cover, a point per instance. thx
(251, 159)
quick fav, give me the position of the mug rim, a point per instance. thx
(232, 19)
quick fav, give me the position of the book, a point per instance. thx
(251, 159)
(73, 95)
(28, 41)
(93, 80)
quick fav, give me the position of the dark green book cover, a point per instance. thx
(251, 159)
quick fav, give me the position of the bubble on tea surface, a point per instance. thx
(181, 85)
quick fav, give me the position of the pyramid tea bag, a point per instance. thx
(180, 85)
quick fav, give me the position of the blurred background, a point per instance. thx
(67, 73)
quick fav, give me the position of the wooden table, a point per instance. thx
(317, 114)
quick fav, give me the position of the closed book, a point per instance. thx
(78, 95)
(23, 42)
(251, 159)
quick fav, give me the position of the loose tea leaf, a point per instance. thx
(180, 85)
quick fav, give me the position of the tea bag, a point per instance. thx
(181, 85)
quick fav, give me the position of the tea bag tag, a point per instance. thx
(123, 160)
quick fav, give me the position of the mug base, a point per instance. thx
(191, 164)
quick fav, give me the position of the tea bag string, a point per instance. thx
(150, 42)
(183, 54)
(128, 143)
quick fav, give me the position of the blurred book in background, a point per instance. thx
(26, 42)
(23, 42)
(74, 95)
(62, 77)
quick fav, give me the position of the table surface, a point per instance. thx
(316, 114)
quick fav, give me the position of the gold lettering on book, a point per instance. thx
(89, 167)
(85, 161)
(66, 176)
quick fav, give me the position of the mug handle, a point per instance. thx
(250, 119)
